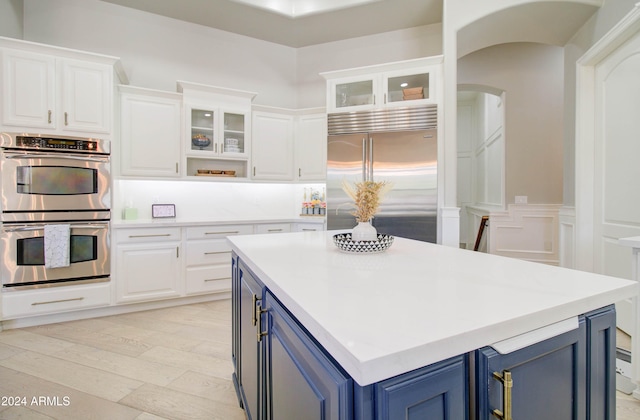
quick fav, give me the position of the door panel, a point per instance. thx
(345, 156)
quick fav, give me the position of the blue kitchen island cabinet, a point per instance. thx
(569, 376)
(413, 333)
(281, 372)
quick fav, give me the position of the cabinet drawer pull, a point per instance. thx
(56, 301)
(216, 252)
(308, 230)
(231, 232)
(274, 230)
(507, 385)
(49, 117)
(224, 278)
(66, 118)
(155, 235)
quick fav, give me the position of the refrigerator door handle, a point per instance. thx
(370, 159)
(364, 159)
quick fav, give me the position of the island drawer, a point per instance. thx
(218, 232)
(208, 279)
(148, 235)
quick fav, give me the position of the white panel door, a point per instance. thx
(28, 85)
(616, 169)
(311, 147)
(272, 146)
(87, 96)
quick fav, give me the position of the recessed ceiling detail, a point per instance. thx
(297, 8)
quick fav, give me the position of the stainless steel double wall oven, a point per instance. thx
(47, 181)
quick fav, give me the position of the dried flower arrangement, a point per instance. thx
(367, 196)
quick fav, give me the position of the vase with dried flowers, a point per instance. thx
(366, 196)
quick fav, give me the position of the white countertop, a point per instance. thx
(182, 222)
(380, 315)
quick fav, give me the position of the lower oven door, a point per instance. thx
(23, 251)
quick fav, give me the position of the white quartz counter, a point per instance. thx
(380, 315)
(187, 222)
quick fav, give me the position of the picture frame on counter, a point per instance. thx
(163, 210)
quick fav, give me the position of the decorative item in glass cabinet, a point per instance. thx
(201, 141)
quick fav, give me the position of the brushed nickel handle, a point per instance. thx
(66, 118)
(213, 252)
(274, 230)
(49, 117)
(56, 301)
(299, 172)
(150, 236)
(231, 232)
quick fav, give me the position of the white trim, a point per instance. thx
(585, 133)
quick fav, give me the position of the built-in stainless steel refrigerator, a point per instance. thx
(397, 146)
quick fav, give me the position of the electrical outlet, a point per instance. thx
(521, 199)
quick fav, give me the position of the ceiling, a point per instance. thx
(298, 23)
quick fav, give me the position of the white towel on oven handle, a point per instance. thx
(56, 245)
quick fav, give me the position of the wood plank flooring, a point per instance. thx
(172, 363)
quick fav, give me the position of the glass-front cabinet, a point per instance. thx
(406, 83)
(218, 132)
(354, 94)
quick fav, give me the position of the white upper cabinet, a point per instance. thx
(217, 140)
(150, 132)
(406, 83)
(56, 93)
(311, 146)
(272, 155)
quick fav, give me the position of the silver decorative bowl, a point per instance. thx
(344, 242)
(201, 142)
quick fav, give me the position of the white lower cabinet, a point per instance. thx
(148, 264)
(54, 300)
(208, 257)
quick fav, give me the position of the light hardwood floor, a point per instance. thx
(169, 363)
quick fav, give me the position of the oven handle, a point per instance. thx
(54, 156)
(40, 227)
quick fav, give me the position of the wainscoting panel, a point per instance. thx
(529, 232)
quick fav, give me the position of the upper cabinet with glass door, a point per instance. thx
(405, 83)
(218, 138)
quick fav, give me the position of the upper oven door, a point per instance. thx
(24, 255)
(50, 181)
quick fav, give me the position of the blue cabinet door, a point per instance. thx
(548, 379)
(435, 392)
(302, 381)
(601, 362)
(249, 368)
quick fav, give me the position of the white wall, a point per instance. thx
(156, 51)
(219, 201)
(11, 18)
(531, 75)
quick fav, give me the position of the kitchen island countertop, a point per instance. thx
(380, 315)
